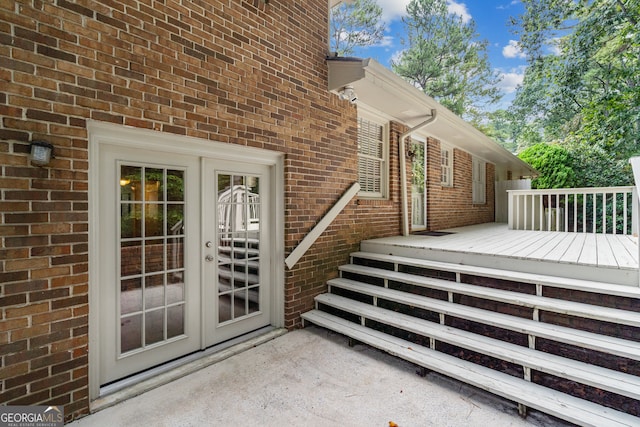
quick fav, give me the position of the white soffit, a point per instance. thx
(337, 2)
(380, 89)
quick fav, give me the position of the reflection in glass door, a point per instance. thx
(418, 186)
(238, 246)
(152, 268)
(149, 279)
(236, 278)
(183, 247)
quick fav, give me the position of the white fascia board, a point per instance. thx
(381, 89)
(333, 3)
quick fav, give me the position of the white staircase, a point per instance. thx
(566, 347)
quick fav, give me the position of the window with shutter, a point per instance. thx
(446, 162)
(479, 179)
(371, 159)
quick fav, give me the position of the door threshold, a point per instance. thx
(135, 385)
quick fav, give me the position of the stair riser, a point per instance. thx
(619, 276)
(524, 311)
(566, 407)
(508, 359)
(607, 398)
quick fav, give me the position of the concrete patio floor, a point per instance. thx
(311, 377)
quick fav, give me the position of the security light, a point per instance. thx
(41, 153)
(348, 94)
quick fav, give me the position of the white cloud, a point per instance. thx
(513, 3)
(513, 50)
(386, 41)
(459, 9)
(395, 9)
(511, 79)
(395, 57)
(553, 46)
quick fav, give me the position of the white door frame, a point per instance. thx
(118, 135)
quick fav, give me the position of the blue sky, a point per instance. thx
(492, 23)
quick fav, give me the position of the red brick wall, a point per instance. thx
(363, 219)
(239, 72)
(453, 206)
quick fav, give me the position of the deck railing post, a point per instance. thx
(635, 166)
(510, 212)
(634, 212)
(594, 210)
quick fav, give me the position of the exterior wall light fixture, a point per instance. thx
(348, 94)
(41, 153)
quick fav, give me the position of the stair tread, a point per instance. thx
(249, 278)
(603, 343)
(542, 279)
(227, 260)
(603, 378)
(239, 250)
(526, 300)
(544, 399)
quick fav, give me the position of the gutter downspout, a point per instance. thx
(403, 170)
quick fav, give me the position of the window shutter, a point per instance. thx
(446, 167)
(371, 159)
(479, 180)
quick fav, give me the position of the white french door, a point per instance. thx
(236, 234)
(419, 186)
(184, 255)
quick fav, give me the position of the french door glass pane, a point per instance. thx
(131, 295)
(418, 192)
(152, 298)
(130, 333)
(238, 209)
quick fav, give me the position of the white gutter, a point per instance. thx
(403, 170)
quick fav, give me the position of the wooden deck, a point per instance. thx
(607, 258)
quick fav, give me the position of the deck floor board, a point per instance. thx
(613, 251)
(628, 258)
(551, 243)
(565, 244)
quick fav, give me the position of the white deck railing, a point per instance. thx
(608, 210)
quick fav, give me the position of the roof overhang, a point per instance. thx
(336, 2)
(381, 90)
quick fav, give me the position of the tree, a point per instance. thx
(555, 164)
(445, 59)
(356, 24)
(597, 166)
(499, 128)
(583, 81)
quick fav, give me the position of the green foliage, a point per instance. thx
(555, 164)
(142, 188)
(582, 85)
(356, 24)
(445, 58)
(499, 128)
(596, 167)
